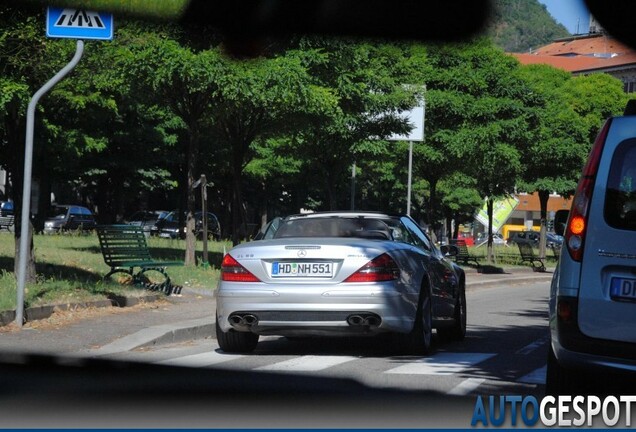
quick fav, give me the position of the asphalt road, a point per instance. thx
(108, 375)
(504, 351)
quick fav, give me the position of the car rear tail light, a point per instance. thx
(577, 224)
(232, 271)
(564, 310)
(380, 269)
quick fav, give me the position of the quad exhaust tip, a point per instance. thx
(242, 321)
(364, 319)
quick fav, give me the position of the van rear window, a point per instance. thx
(620, 200)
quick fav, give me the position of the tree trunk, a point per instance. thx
(263, 207)
(544, 196)
(490, 256)
(432, 208)
(30, 265)
(237, 193)
(190, 259)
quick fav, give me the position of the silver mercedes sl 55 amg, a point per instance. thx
(340, 274)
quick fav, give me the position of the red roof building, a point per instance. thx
(586, 54)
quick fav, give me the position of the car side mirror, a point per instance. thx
(449, 250)
(560, 221)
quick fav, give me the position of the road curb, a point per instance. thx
(160, 335)
(43, 312)
(509, 281)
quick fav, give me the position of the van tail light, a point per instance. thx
(232, 271)
(577, 223)
(380, 269)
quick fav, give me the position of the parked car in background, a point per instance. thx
(593, 291)
(553, 240)
(146, 219)
(69, 218)
(6, 208)
(482, 238)
(341, 274)
(515, 237)
(168, 227)
(533, 237)
(468, 239)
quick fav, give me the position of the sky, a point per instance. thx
(569, 13)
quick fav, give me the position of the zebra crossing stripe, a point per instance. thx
(533, 346)
(308, 363)
(535, 377)
(200, 360)
(442, 364)
(466, 387)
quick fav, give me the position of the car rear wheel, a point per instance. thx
(418, 340)
(234, 341)
(559, 380)
(458, 330)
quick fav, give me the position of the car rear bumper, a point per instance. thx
(574, 349)
(316, 310)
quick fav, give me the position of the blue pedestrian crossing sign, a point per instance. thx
(78, 24)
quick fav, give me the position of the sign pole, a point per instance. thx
(26, 189)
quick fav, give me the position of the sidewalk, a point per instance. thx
(103, 331)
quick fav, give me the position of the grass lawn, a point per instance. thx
(70, 268)
(508, 255)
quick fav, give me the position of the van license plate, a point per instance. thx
(623, 289)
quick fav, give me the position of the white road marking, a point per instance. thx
(533, 346)
(308, 363)
(200, 360)
(534, 377)
(442, 364)
(466, 387)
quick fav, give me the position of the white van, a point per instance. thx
(593, 291)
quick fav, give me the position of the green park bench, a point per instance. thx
(527, 255)
(124, 248)
(463, 255)
(7, 222)
(556, 250)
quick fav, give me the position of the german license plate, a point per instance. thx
(623, 289)
(306, 269)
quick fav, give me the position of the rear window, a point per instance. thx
(335, 227)
(620, 200)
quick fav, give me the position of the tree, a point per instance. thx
(257, 100)
(460, 200)
(23, 51)
(374, 83)
(184, 81)
(573, 110)
(479, 116)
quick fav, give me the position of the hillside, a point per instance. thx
(520, 25)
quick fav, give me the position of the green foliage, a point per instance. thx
(479, 116)
(157, 9)
(157, 106)
(572, 111)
